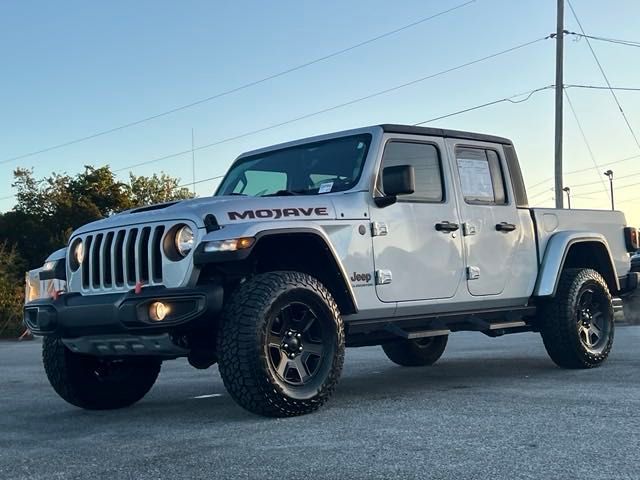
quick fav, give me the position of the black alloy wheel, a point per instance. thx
(594, 326)
(281, 344)
(295, 344)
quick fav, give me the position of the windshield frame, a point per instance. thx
(366, 136)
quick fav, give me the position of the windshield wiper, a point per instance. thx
(285, 193)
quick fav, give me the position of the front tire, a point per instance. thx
(281, 344)
(577, 325)
(93, 383)
(418, 352)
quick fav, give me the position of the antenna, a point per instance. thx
(193, 162)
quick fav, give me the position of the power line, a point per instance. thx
(604, 75)
(509, 99)
(581, 170)
(240, 87)
(618, 177)
(629, 200)
(584, 137)
(200, 181)
(335, 107)
(549, 199)
(543, 192)
(621, 187)
(602, 87)
(528, 94)
(629, 43)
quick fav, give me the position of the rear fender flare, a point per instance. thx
(555, 255)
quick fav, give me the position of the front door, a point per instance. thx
(417, 254)
(491, 226)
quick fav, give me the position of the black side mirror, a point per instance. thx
(397, 180)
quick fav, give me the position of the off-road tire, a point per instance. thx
(74, 377)
(416, 353)
(559, 320)
(242, 355)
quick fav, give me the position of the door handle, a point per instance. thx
(447, 227)
(505, 227)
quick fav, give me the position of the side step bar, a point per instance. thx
(618, 309)
(399, 332)
(412, 335)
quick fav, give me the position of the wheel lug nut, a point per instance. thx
(299, 349)
(286, 345)
(299, 335)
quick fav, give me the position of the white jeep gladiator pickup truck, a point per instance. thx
(388, 235)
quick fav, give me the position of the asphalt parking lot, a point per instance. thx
(491, 408)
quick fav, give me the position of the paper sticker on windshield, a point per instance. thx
(325, 187)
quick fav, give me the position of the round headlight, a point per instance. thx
(78, 252)
(77, 255)
(184, 240)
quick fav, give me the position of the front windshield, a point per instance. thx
(321, 167)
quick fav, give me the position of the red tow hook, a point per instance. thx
(138, 288)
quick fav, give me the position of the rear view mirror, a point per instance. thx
(397, 180)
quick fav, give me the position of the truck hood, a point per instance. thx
(226, 209)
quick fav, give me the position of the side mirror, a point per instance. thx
(397, 180)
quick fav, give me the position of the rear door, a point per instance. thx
(490, 222)
(418, 261)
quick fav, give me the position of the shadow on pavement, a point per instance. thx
(172, 405)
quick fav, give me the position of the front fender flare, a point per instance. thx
(266, 229)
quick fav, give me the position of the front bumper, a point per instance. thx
(72, 315)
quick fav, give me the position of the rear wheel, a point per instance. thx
(418, 352)
(577, 325)
(94, 383)
(281, 344)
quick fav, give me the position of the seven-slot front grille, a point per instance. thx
(121, 258)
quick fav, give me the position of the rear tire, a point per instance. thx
(577, 325)
(419, 352)
(281, 344)
(93, 383)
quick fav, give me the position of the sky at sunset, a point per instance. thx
(71, 69)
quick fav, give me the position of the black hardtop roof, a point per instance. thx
(442, 132)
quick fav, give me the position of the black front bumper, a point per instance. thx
(73, 315)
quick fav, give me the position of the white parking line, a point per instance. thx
(212, 395)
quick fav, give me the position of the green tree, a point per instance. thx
(156, 189)
(49, 209)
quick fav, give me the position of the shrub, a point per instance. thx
(11, 291)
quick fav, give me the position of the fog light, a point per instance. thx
(158, 311)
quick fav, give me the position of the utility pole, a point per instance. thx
(193, 163)
(559, 91)
(609, 173)
(567, 190)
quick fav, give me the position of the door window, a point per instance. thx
(426, 162)
(481, 177)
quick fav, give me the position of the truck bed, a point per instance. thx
(548, 221)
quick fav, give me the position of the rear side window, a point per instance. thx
(426, 163)
(481, 176)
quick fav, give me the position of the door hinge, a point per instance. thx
(473, 273)
(379, 229)
(383, 277)
(468, 229)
